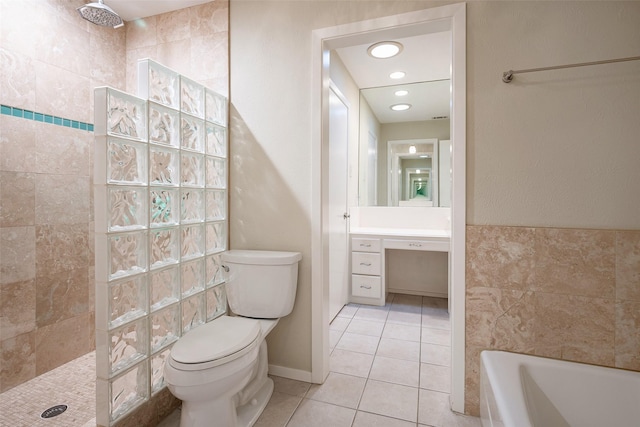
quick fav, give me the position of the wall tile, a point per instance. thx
(174, 26)
(62, 199)
(17, 199)
(18, 82)
(209, 18)
(108, 64)
(628, 265)
(61, 296)
(133, 55)
(209, 56)
(59, 90)
(575, 262)
(176, 55)
(501, 257)
(62, 150)
(575, 328)
(61, 342)
(69, 49)
(141, 33)
(17, 308)
(627, 335)
(61, 248)
(17, 360)
(472, 379)
(17, 254)
(17, 144)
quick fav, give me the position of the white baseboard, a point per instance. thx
(292, 374)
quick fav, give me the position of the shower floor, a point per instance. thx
(72, 384)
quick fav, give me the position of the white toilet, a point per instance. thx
(219, 370)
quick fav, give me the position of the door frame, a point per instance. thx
(450, 16)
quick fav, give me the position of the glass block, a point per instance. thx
(192, 205)
(192, 276)
(164, 125)
(127, 300)
(193, 312)
(127, 208)
(216, 207)
(191, 97)
(165, 247)
(164, 206)
(127, 345)
(216, 105)
(216, 302)
(165, 327)
(129, 390)
(216, 237)
(162, 84)
(192, 241)
(164, 166)
(192, 169)
(157, 370)
(216, 140)
(126, 115)
(215, 272)
(164, 287)
(127, 254)
(216, 172)
(193, 131)
(126, 162)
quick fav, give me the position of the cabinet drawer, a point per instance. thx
(365, 263)
(365, 286)
(362, 244)
(436, 245)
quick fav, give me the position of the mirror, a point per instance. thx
(405, 160)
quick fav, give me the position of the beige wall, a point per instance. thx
(548, 150)
(46, 210)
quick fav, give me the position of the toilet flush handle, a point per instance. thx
(225, 268)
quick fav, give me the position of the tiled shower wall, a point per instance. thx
(46, 212)
(570, 294)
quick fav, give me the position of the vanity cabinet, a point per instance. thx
(366, 268)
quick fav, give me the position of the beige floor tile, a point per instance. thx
(348, 310)
(339, 324)
(365, 327)
(436, 336)
(435, 354)
(401, 332)
(395, 371)
(432, 407)
(312, 413)
(435, 377)
(376, 314)
(350, 363)
(279, 410)
(405, 318)
(365, 419)
(334, 337)
(437, 321)
(391, 400)
(360, 343)
(399, 349)
(288, 386)
(338, 389)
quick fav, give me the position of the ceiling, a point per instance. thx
(424, 58)
(130, 10)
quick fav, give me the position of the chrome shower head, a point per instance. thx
(100, 14)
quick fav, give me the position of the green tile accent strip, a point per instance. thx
(8, 110)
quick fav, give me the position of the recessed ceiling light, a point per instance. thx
(402, 93)
(400, 107)
(384, 50)
(397, 74)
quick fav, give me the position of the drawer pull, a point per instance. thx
(365, 287)
(366, 264)
(415, 245)
(365, 245)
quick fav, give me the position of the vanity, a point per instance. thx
(376, 233)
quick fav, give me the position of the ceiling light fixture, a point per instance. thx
(397, 75)
(384, 50)
(400, 107)
(412, 149)
(402, 93)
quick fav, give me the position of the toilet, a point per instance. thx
(219, 369)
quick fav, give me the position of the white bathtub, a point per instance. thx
(518, 390)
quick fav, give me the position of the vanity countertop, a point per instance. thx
(401, 232)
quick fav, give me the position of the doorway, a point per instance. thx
(453, 17)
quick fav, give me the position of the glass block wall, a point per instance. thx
(160, 191)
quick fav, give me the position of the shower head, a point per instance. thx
(100, 14)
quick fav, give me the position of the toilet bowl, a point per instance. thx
(219, 369)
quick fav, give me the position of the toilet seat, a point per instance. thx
(215, 343)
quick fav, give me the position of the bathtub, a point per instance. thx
(518, 390)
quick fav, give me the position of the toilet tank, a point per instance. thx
(261, 284)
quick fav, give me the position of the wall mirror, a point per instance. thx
(404, 155)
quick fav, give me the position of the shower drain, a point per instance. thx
(54, 411)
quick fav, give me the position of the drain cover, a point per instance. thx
(54, 411)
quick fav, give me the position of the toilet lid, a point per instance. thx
(215, 340)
